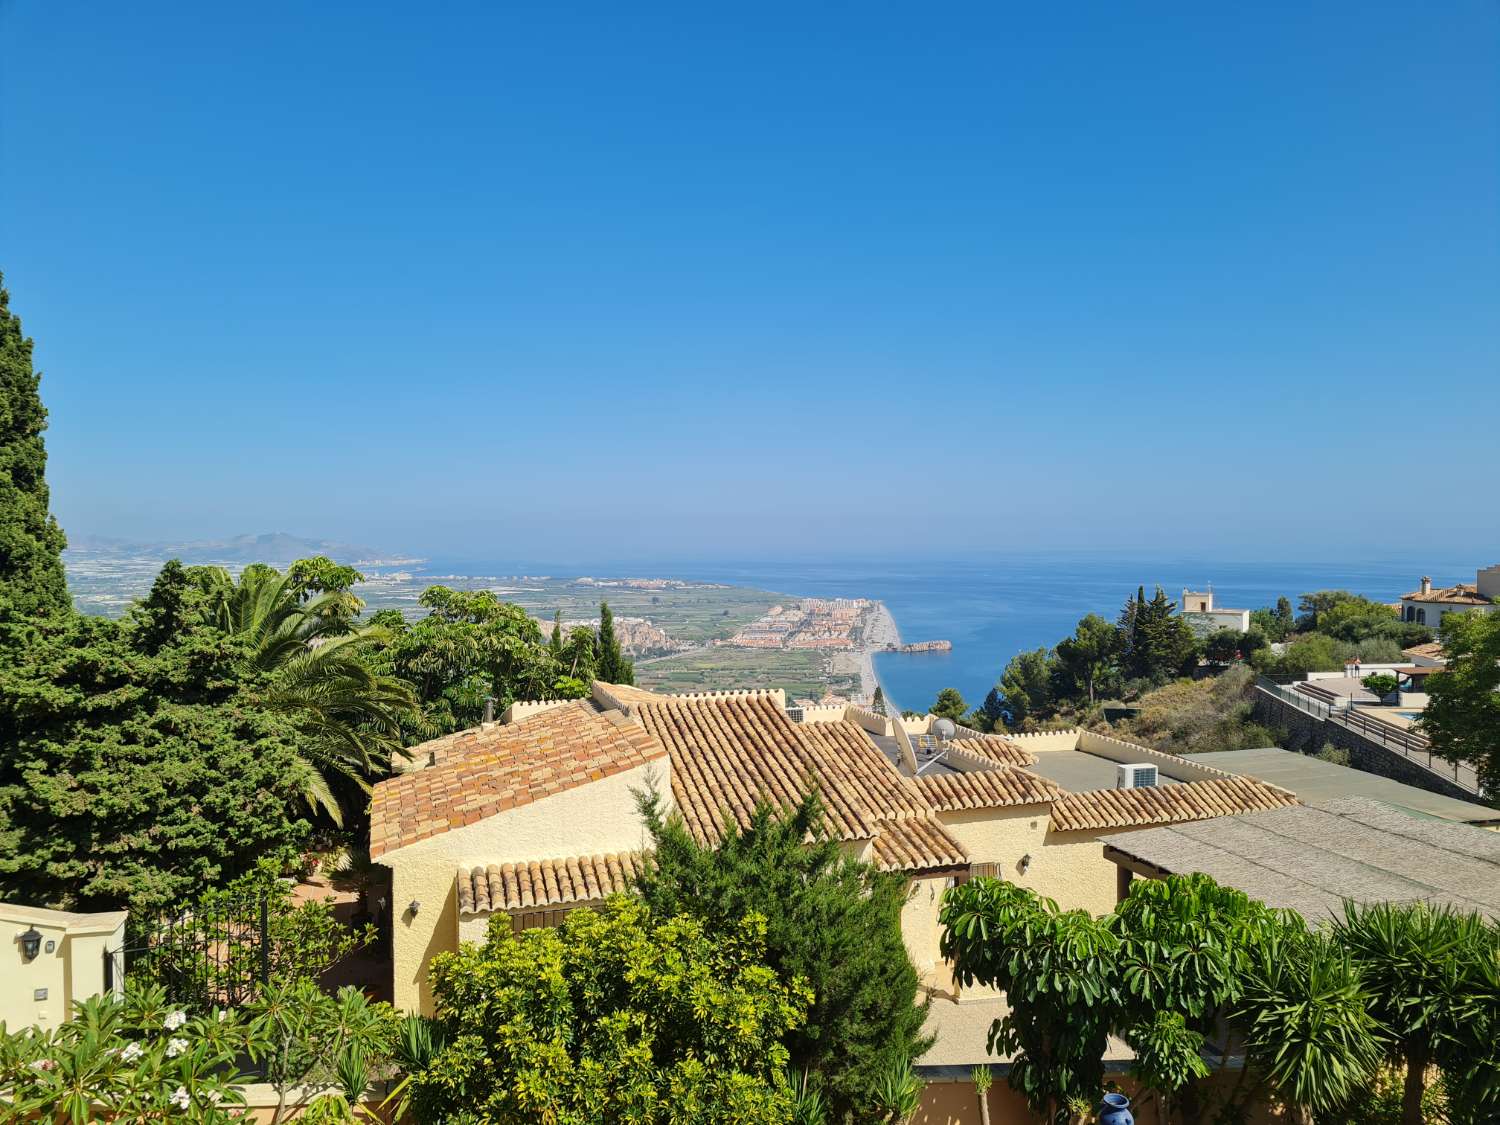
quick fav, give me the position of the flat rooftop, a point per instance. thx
(1313, 779)
(1078, 771)
(1310, 858)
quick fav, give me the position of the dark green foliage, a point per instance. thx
(616, 1015)
(1158, 644)
(1312, 606)
(141, 765)
(1056, 968)
(877, 701)
(830, 920)
(1086, 661)
(1357, 620)
(993, 709)
(1380, 683)
(949, 705)
(1434, 981)
(613, 667)
(471, 646)
(1180, 961)
(31, 543)
(1463, 712)
(1026, 685)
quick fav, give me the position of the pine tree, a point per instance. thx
(31, 571)
(877, 701)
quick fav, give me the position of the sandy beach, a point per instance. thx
(879, 632)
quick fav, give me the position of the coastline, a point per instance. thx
(880, 632)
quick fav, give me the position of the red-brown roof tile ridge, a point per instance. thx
(504, 768)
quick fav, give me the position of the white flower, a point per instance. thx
(221, 1015)
(131, 1052)
(175, 1047)
(181, 1099)
(45, 1064)
(176, 1020)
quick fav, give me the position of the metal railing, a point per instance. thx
(1303, 702)
(1414, 747)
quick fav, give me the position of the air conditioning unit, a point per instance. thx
(1138, 776)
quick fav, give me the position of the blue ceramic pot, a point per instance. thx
(1115, 1110)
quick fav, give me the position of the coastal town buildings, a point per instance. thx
(812, 623)
(1427, 604)
(537, 816)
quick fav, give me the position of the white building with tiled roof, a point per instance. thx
(536, 817)
(1427, 603)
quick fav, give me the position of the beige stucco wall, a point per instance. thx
(74, 970)
(1068, 867)
(919, 920)
(593, 819)
(1043, 740)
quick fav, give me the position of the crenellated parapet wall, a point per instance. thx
(518, 711)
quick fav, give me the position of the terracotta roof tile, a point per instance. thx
(916, 843)
(986, 789)
(1166, 804)
(995, 748)
(1465, 593)
(545, 882)
(728, 753)
(497, 767)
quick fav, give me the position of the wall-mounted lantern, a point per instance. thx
(31, 944)
(1025, 862)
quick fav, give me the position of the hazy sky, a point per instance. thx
(532, 281)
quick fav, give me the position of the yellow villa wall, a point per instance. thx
(74, 970)
(919, 920)
(597, 818)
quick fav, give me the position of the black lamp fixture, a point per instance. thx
(31, 944)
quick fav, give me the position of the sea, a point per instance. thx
(995, 607)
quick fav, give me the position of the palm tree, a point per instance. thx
(315, 660)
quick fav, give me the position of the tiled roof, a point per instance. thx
(916, 843)
(546, 882)
(1433, 650)
(437, 751)
(728, 753)
(1166, 804)
(994, 748)
(503, 767)
(628, 693)
(986, 789)
(1464, 593)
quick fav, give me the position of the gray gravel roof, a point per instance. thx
(1310, 858)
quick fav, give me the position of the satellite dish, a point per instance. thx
(944, 729)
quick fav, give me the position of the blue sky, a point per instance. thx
(713, 280)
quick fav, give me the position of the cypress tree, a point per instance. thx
(613, 668)
(31, 571)
(556, 643)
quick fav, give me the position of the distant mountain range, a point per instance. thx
(276, 547)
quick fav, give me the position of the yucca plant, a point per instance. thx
(899, 1093)
(1434, 980)
(1305, 1016)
